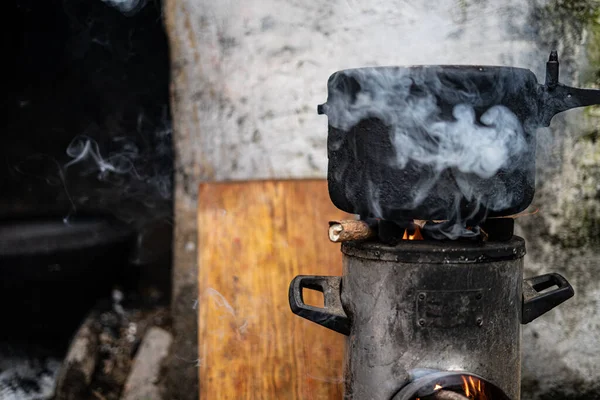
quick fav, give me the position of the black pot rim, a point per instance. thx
(441, 67)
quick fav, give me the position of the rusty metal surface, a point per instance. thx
(450, 308)
(453, 313)
(389, 337)
(438, 252)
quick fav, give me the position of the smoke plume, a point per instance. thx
(127, 7)
(426, 139)
(128, 177)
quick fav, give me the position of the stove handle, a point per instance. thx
(330, 316)
(535, 303)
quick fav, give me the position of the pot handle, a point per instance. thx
(332, 315)
(557, 97)
(536, 303)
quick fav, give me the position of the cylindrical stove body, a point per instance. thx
(445, 306)
(430, 306)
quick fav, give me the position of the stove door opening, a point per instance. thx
(450, 386)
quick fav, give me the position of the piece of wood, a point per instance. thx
(142, 382)
(351, 229)
(448, 395)
(254, 238)
(78, 367)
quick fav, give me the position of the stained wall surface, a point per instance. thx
(247, 77)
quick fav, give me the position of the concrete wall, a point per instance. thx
(255, 70)
(247, 76)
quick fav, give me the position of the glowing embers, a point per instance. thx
(461, 387)
(448, 385)
(414, 233)
(493, 229)
(394, 232)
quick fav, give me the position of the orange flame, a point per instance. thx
(473, 388)
(414, 236)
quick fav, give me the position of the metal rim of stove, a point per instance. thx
(434, 252)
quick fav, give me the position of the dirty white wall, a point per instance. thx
(248, 75)
(257, 69)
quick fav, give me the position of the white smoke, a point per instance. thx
(474, 149)
(120, 174)
(462, 144)
(127, 7)
(119, 167)
(418, 134)
(83, 148)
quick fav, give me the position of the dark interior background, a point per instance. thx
(83, 70)
(85, 130)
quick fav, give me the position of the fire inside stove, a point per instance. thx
(394, 232)
(415, 233)
(474, 388)
(461, 387)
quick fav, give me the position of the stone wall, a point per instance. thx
(561, 357)
(247, 76)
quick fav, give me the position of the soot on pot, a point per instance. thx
(472, 140)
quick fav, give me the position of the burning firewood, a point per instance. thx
(416, 233)
(347, 230)
(447, 395)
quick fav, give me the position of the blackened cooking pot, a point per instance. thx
(439, 142)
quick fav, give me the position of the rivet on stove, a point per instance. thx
(479, 321)
(421, 296)
(479, 296)
(422, 322)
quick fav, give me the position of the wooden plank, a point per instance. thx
(254, 238)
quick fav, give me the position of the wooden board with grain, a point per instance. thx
(254, 238)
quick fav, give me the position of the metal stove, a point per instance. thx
(439, 316)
